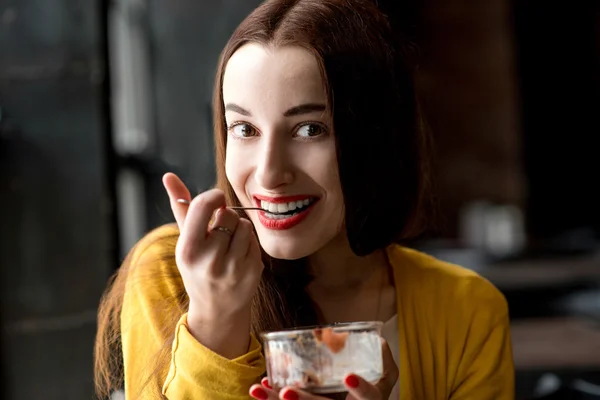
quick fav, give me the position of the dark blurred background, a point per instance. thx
(99, 98)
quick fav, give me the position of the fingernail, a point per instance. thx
(352, 381)
(265, 382)
(259, 393)
(290, 395)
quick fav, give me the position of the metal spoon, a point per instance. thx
(187, 202)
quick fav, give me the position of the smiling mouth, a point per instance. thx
(286, 209)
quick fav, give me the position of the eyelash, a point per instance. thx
(321, 126)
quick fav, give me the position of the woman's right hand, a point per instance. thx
(220, 266)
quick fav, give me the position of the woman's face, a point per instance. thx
(281, 148)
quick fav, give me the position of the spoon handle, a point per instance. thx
(187, 202)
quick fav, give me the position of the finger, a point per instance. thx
(176, 189)
(295, 394)
(265, 383)
(195, 227)
(253, 246)
(262, 393)
(359, 389)
(223, 229)
(254, 252)
(240, 242)
(390, 369)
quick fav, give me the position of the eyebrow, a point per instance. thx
(304, 109)
(235, 108)
(294, 111)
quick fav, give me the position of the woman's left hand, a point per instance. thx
(358, 388)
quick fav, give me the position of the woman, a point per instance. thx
(315, 121)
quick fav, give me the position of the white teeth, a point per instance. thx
(279, 210)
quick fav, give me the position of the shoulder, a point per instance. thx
(159, 241)
(152, 260)
(446, 287)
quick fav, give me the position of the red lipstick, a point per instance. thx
(286, 222)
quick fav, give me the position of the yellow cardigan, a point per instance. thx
(453, 326)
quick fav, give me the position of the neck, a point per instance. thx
(344, 282)
(336, 267)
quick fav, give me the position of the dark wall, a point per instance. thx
(57, 243)
(186, 38)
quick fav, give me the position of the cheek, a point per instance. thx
(229, 165)
(324, 170)
(330, 180)
(235, 168)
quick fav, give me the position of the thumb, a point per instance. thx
(176, 189)
(360, 389)
(390, 370)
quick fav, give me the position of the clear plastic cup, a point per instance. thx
(317, 359)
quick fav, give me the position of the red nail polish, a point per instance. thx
(259, 393)
(290, 395)
(265, 383)
(352, 381)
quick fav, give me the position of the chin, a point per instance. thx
(302, 239)
(285, 249)
(293, 247)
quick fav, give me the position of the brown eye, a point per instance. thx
(310, 130)
(242, 130)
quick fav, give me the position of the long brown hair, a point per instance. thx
(381, 149)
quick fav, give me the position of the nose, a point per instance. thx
(274, 167)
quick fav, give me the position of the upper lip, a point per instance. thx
(283, 199)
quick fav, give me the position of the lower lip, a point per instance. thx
(284, 223)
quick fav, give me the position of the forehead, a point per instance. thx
(285, 75)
